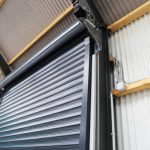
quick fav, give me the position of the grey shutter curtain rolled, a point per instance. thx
(44, 110)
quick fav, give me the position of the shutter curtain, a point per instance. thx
(44, 110)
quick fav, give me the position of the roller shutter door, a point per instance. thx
(45, 111)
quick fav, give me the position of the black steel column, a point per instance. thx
(104, 141)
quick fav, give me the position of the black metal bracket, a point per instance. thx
(88, 19)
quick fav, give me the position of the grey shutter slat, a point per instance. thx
(44, 110)
(47, 70)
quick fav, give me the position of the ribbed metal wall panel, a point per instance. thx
(44, 110)
(112, 10)
(46, 39)
(23, 20)
(131, 46)
(133, 121)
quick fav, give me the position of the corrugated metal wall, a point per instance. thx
(133, 121)
(22, 20)
(131, 46)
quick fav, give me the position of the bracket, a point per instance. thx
(118, 71)
(88, 20)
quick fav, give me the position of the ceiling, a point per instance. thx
(22, 20)
(112, 10)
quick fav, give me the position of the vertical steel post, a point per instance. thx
(104, 139)
(100, 137)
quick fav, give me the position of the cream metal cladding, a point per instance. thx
(23, 20)
(133, 121)
(131, 46)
